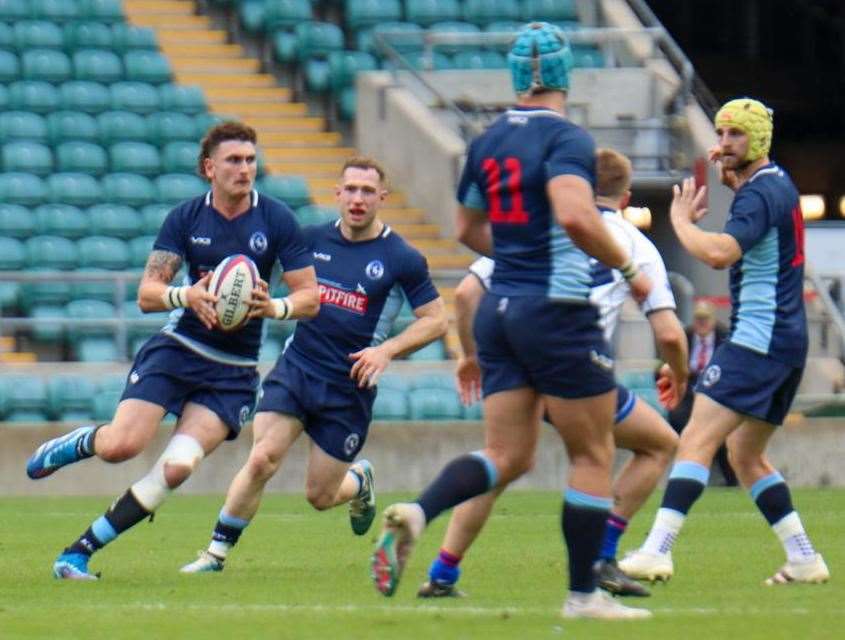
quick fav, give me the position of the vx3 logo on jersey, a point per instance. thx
(200, 240)
(325, 257)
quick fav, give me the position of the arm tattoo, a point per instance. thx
(162, 266)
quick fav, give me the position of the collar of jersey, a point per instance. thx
(764, 170)
(523, 110)
(254, 198)
(386, 231)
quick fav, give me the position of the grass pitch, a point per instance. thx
(302, 574)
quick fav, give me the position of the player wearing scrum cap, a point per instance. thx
(206, 377)
(747, 388)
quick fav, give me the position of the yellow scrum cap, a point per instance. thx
(752, 117)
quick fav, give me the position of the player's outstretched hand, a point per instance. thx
(640, 286)
(687, 202)
(670, 389)
(202, 301)
(260, 305)
(370, 363)
(468, 380)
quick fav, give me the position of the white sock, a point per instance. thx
(219, 549)
(796, 543)
(667, 525)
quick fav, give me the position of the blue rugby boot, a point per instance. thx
(73, 566)
(362, 508)
(58, 452)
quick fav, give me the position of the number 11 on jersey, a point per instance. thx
(513, 183)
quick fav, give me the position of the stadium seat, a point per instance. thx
(178, 187)
(480, 59)
(70, 398)
(105, 404)
(409, 38)
(10, 67)
(96, 350)
(286, 14)
(48, 332)
(135, 157)
(345, 65)
(120, 126)
(87, 35)
(587, 58)
(153, 216)
(285, 46)
(144, 65)
(52, 253)
(549, 10)
(347, 103)
(22, 188)
(27, 156)
(14, 10)
(101, 10)
(205, 120)
(129, 189)
(7, 37)
(454, 26)
(140, 333)
(251, 15)
(184, 98)
(22, 125)
(33, 95)
(482, 12)
(180, 157)
(85, 96)
(316, 75)
(89, 310)
(4, 98)
(434, 404)
(26, 399)
(419, 61)
(77, 189)
(65, 126)
(434, 351)
(433, 380)
(390, 404)
(15, 222)
(31, 34)
(98, 65)
(138, 97)
(169, 126)
(315, 214)
(84, 157)
(12, 258)
(115, 221)
(637, 379)
(367, 13)
(55, 10)
(429, 12)
(139, 251)
(317, 39)
(48, 65)
(128, 36)
(292, 190)
(103, 252)
(474, 411)
(61, 220)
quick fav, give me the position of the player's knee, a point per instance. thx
(262, 464)
(319, 498)
(181, 456)
(110, 450)
(512, 466)
(745, 462)
(176, 473)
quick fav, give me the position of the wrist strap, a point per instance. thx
(629, 270)
(174, 297)
(283, 308)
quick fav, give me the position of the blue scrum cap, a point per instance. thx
(540, 58)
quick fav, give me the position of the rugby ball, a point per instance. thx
(232, 282)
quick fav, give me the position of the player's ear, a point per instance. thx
(207, 166)
(626, 200)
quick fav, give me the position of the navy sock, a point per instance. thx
(463, 478)
(85, 446)
(123, 514)
(772, 497)
(227, 533)
(686, 484)
(583, 522)
(614, 528)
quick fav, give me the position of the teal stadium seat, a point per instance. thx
(115, 221)
(316, 73)
(145, 65)
(7, 36)
(316, 40)
(105, 404)
(436, 380)
(138, 97)
(368, 13)
(55, 10)
(345, 65)
(87, 35)
(347, 103)
(10, 67)
(129, 189)
(183, 98)
(432, 352)
(429, 12)
(92, 344)
(22, 125)
(16, 222)
(26, 399)
(474, 411)
(5, 100)
(12, 258)
(47, 332)
(70, 398)
(585, 57)
(286, 14)
(30, 34)
(315, 214)
(48, 65)
(33, 95)
(292, 190)
(28, 157)
(138, 334)
(22, 188)
(482, 12)
(74, 188)
(98, 65)
(135, 157)
(103, 252)
(419, 61)
(455, 26)
(85, 96)
(13, 10)
(178, 187)
(127, 37)
(390, 404)
(180, 157)
(66, 126)
(549, 10)
(101, 10)
(139, 250)
(121, 126)
(49, 253)
(169, 126)
(434, 404)
(153, 216)
(62, 220)
(409, 37)
(205, 120)
(480, 60)
(251, 14)
(84, 157)
(643, 379)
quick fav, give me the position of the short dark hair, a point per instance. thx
(613, 173)
(364, 162)
(219, 133)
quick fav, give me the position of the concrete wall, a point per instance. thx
(407, 456)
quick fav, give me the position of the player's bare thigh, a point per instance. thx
(130, 431)
(203, 425)
(747, 450)
(709, 426)
(645, 431)
(324, 477)
(273, 434)
(511, 430)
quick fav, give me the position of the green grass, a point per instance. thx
(302, 574)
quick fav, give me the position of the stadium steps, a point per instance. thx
(9, 353)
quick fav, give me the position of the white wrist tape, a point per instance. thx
(174, 297)
(283, 308)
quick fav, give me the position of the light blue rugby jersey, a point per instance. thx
(506, 173)
(767, 283)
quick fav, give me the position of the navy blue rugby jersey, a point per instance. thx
(361, 292)
(267, 233)
(767, 283)
(506, 173)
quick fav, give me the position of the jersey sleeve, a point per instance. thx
(415, 280)
(573, 152)
(749, 219)
(293, 249)
(483, 270)
(173, 234)
(651, 264)
(470, 191)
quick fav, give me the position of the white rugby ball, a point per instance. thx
(232, 282)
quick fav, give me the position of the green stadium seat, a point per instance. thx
(434, 351)
(434, 404)
(27, 156)
(316, 74)
(410, 38)
(14, 10)
(98, 65)
(22, 188)
(55, 10)
(15, 222)
(26, 399)
(368, 13)
(22, 125)
(429, 12)
(120, 126)
(74, 188)
(96, 350)
(433, 380)
(347, 103)
(85, 96)
(345, 65)
(138, 97)
(454, 26)
(549, 10)
(317, 39)
(31, 34)
(180, 157)
(169, 126)
(184, 98)
(115, 221)
(52, 253)
(637, 379)
(103, 252)
(101, 10)
(84, 157)
(33, 95)
(12, 258)
(395, 381)
(178, 187)
(153, 216)
(138, 334)
(139, 251)
(286, 14)
(292, 190)
(251, 15)
(315, 214)
(205, 120)
(480, 59)
(135, 157)
(87, 35)
(105, 404)
(70, 398)
(61, 220)
(90, 310)
(285, 46)
(127, 37)
(482, 12)
(419, 61)
(584, 57)
(4, 98)
(66, 126)
(10, 67)
(503, 26)
(129, 189)
(49, 65)
(48, 332)
(144, 65)
(390, 404)
(7, 36)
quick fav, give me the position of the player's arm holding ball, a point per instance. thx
(303, 301)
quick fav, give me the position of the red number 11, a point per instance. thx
(516, 214)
